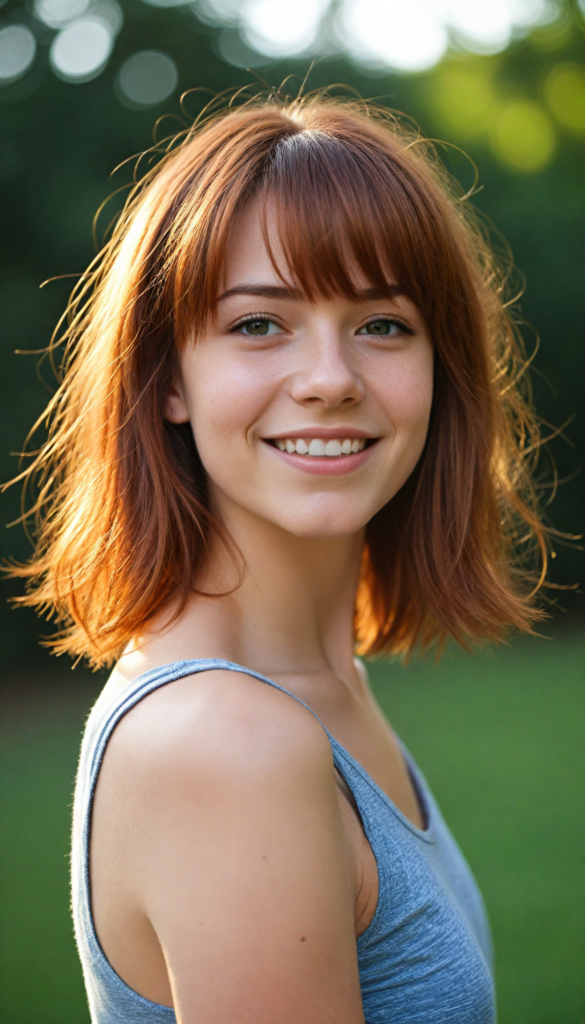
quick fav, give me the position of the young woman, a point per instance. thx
(289, 429)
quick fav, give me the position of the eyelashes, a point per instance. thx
(259, 325)
(380, 326)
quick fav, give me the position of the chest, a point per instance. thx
(426, 953)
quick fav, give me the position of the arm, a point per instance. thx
(243, 867)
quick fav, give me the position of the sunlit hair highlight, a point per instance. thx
(123, 518)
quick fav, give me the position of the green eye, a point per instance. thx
(258, 327)
(380, 327)
(384, 327)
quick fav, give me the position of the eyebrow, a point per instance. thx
(268, 291)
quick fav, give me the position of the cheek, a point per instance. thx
(225, 398)
(405, 390)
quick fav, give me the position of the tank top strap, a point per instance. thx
(356, 778)
(142, 685)
(340, 754)
(231, 666)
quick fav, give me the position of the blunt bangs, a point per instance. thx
(335, 216)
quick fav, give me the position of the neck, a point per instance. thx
(293, 612)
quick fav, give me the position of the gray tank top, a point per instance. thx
(425, 957)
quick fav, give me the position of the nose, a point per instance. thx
(326, 374)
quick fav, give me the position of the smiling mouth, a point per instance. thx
(317, 447)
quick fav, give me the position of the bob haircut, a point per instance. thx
(123, 517)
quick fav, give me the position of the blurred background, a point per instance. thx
(498, 734)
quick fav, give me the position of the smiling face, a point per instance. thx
(308, 415)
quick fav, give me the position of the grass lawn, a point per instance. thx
(500, 739)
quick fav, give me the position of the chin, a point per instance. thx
(323, 524)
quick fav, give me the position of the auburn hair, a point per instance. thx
(123, 518)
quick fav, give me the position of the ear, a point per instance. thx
(175, 407)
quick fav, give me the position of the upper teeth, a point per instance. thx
(316, 446)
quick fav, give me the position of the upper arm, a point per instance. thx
(242, 864)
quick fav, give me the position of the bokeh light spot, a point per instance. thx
(81, 50)
(17, 50)
(110, 12)
(407, 36)
(218, 12)
(57, 13)
(147, 78)
(564, 90)
(484, 26)
(280, 28)
(464, 102)
(523, 137)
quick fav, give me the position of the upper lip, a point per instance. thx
(327, 433)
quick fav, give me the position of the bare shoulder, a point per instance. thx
(217, 723)
(218, 823)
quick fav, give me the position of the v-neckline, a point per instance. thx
(426, 834)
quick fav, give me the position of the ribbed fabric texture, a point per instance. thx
(424, 959)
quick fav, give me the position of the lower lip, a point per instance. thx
(325, 465)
